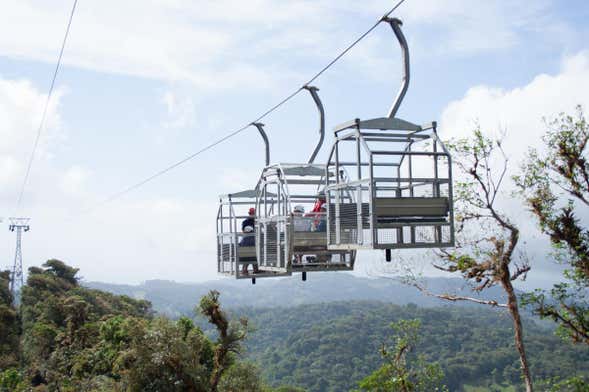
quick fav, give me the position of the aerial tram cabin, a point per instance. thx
(387, 185)
(401, 182)
(291, 224)
(236, 247)
(290, 235)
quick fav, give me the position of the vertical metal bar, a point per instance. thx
(220, 266)
(265, 225)
(337, 162)
(398, 180)
(222, 230)
(436, 190)
(400, 237)
(451, 199)
(359, 232)
(277, 223)
(372, 190)
(358, 156)
(411, 190)
(337, 197)
(231, 232)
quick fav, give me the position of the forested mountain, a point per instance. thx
(330, 347)
(175, 299)
(318, 335)
(68, 338)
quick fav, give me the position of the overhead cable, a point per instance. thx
(46, 107)
(244, 127)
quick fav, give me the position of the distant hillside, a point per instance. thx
(330, 347)
(175, 299)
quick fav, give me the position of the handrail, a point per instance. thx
(396, 26)
(313, 90)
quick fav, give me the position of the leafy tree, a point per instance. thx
(78, 339)
(61, 270)
(400, 374)
(555, 186)
(9, 324)
(242, 377)
(11, 381)
(574, 384)
(487, 239)
(230, 338)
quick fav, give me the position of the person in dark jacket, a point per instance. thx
(250, 220)
(248, 227)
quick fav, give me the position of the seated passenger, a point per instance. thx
(300, 224)
(250, 220)
(320, 224)
(249, 239)
(319, 203)
(317, 211)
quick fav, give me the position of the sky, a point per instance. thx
(144, 84)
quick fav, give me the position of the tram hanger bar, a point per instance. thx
(260, 127)
(313, 90)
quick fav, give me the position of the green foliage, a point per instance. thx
(231, 335)
(78, 339)
(398, 373)
(330, 347)
(243, 377)
(486, 238)
(555, 186)
(61, 271)
(11, 381)
(573, 384)
(9, 324)
(483, 259)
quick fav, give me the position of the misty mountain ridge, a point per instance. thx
(176, 299)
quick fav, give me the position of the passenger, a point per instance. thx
(250, 220)
(318, 204)
(317, 212)
(320, 224)
(249, 239)
(248, 227)
(300, 224)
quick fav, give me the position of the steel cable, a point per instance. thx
(46, 107)
(244, 127)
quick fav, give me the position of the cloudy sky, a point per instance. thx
(146, 83)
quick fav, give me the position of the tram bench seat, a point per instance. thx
(310, 239)
(245, 253)
(395, 210)
(403, 207)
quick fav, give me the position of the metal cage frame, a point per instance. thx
(397, 210)
(231, 255)
(281, 245)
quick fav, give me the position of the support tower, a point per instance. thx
(16, 279)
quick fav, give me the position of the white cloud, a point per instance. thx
(466, 26)
(73, 180)
(520, 110)
(232, 44)
(180, 110)
(21, 107)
